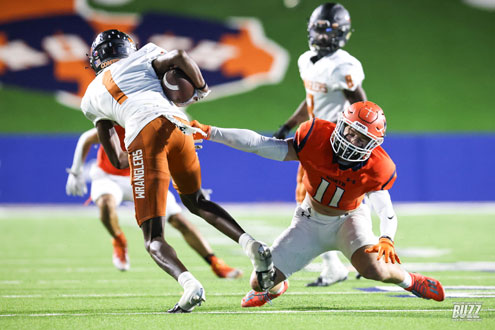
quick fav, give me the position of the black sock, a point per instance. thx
(208, 258)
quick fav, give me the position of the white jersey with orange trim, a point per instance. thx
(129, 93)
(325, 80)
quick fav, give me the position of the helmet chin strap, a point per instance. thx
(345, 165)
(320, 54)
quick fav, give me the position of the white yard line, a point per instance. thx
(327, 311)
(453, 290)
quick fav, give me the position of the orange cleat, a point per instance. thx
(257, 299)
(120, 258)
(222, 270)
(426, 287)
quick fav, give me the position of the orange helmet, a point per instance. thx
(366, 118)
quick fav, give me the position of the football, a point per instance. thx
(177, 86)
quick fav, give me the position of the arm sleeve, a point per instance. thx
(78, 160)
(382, 204)
(250, 141)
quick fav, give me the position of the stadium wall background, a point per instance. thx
(430, 167)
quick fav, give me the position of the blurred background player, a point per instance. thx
(111, 186)
(332, 79)
(344, 162)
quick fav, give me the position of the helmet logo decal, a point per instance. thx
(368, 115)
(360, 127)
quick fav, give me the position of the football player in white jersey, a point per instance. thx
(111, 186)
(332, 79)
(127, 91)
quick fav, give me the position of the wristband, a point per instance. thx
(387, 237)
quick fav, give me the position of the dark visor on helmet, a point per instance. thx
(323, 26)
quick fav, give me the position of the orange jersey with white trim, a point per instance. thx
(329, 183)
(104, 163)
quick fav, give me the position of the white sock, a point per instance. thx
(280, 288)
(184, 278)
(407, 281)
(333, 268)
(245, 241)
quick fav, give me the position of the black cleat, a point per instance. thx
(321, 282)
(177, 309)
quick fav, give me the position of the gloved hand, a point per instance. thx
(76, 185)
(282, 132)
(202, 93)
(385, 247)
(203, 127)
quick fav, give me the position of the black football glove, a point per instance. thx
(282, 132)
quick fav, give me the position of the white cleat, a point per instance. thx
(261, 257)
(122, 264)
(192, 297)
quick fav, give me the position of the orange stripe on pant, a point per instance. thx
(158, 152)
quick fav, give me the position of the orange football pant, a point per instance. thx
(161, 151)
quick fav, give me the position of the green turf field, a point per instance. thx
(56, 273)
(427, 63)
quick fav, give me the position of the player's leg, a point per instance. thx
(355, 235)
(107, 195)
(150, 179)
(197, 241)
(166, 258)
(305, 239)
(378, 270)
(186, 172)
(158, 248)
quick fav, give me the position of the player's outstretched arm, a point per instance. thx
(76, 185)
(250, 141)
(382, 204)
(111, 144)
(300, 115)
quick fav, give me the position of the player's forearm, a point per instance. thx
(111, 144)
(383, 207)
(192, 70)
(250, 141)
(299, 116)
(121, 156)
(357, 95)
(84, 143)
(180, 59)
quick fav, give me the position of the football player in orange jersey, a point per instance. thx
(111, 186)
(333, 80)
(344, 162)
